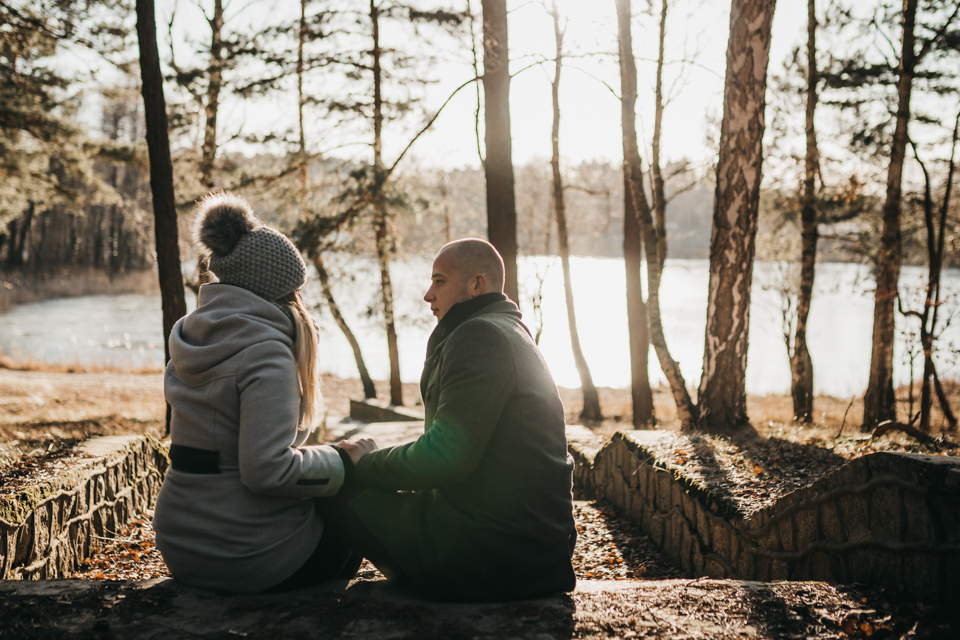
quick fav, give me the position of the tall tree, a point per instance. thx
(380, 222)
(722, 398)
(161, 176)
(879, 401)
(498, 164)
(657, 186)
(641, 396)
(591, 400)
(315, 251)
(208, 155)
(641, 209)
(801, 365)
(935, 225)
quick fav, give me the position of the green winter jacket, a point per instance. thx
(480, 506)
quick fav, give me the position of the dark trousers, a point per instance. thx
(334, 558)
(337, 514)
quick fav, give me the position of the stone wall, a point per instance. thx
(47, 529)
(886, 519)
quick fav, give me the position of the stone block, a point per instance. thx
(948, 513)
(665, 482)
(643, 479)
(885, 521)
(657, 530)
(821, 568)
(689, 506)
(698, 562)
(787, 534)
(806, 523)
(830, 522)
(746, 567)
(720, 540)
(921, 575)
(703, 527)
(779, 570)
(372, 410)
(40, 522)
(860, 564)
(917, 513)
(853, 511)
(734, 556)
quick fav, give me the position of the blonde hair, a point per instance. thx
(307, 358)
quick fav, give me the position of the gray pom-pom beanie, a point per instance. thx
(242, 251)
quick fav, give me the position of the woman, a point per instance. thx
(236, 511)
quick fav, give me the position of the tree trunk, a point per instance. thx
(591, 400)
(498, 165)
(801, 365)
(931, 305)
(214, 83)
(18, 238)
(656, 173)
(644, 416)
(369, 391)
(723, 398)
(879, 401)
(380, 222)
(631, 155)
(444, 196)
(161, 177)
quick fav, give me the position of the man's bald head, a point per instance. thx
(473, 257)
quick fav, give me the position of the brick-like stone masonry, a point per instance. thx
(887, 519)
(46, 530)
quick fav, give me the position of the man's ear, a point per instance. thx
(479, 285)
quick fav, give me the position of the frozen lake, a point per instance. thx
(125, 331)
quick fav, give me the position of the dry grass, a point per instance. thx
(769, 412)
(75, 366)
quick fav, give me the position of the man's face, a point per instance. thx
(447, 286)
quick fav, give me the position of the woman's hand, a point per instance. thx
(356, 448)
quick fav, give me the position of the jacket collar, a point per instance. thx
(457, 315)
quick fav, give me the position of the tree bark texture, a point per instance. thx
(208, 154)
(644, 416)
(879, 401)
(723, 398)
(369, 390)
(591, 400)
(498, 164)
(161, 174)
(801, 365)
(656, 172)
(172, 298)
(380, 222)
(631, 154)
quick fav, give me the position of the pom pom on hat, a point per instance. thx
(221, 220)
(242, 251)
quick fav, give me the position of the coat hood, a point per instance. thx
(227, 320)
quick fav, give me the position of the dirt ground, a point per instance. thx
(41, 411)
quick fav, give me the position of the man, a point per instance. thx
(480, 506)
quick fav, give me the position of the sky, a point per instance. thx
(590, 113)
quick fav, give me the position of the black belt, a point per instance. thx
(193, 460)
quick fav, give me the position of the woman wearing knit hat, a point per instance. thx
(236, 511)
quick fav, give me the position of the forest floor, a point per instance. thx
(45, 410)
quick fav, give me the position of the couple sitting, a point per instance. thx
(478, 508)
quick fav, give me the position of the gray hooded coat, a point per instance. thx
(232, 382)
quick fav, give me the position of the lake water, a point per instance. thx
(125, 331)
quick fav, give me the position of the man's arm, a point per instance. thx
(476, 379)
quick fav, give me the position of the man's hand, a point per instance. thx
(356, 448)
